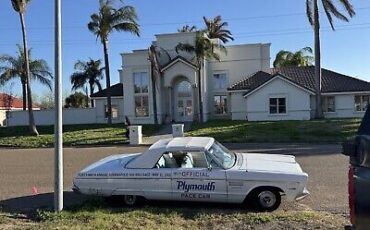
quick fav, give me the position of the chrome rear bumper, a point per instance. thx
(303, 195)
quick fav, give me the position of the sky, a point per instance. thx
(282, 23)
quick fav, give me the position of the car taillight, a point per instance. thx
(351, 193)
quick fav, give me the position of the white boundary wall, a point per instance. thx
(71, 116)
(2, 117)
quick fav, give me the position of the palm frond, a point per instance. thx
(309, 11)
(185, 47)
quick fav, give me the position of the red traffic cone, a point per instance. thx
(34, 190)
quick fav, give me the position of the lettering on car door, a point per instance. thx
(194, 181)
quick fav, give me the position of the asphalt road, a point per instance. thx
(23, 170)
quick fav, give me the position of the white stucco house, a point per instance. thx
(242, 86)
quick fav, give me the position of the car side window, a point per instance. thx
(194, 160)
(167, 160)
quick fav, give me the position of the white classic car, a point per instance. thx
(195, 169)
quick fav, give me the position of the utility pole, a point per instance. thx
(58, 125)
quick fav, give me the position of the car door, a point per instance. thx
(158, 185)
(195, 181)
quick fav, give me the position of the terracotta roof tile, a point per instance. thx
(16, 103)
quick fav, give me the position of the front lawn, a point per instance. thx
(169, 217)
(73, 135)
(328, 130)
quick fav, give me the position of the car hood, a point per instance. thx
(109, 164)
(270, 163)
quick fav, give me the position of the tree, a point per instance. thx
(90, 73)
(154, 54)
(187, 28)
(302, 57)
(312, 10)
(46, 101)
(204, 48)
(20, 7)
(76, 100)
(14, 67)
(215, 29)
(103, 23)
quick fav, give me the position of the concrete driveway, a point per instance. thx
(21, 170)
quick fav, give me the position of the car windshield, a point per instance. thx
(224, 156)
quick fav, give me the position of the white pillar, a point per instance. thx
(58, 140)
(178, 130)
(136, 137)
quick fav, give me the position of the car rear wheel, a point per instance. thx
(267, 199)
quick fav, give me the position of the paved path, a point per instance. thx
(20, 170)
(164, 133)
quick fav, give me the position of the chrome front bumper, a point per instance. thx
(303, 195)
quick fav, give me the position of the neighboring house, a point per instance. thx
(8, 102)
(289, 94)
(117, 104)
(242, 86)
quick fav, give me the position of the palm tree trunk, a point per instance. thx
(91, 92)
(319, 113)
(24, 95)
(200, 92)
(154, 95)
(107, 78)
(87, 97)
(31, 118)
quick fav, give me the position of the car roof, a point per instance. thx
(151, 156)
(183, 143)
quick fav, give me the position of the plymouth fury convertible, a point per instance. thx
(195, 169)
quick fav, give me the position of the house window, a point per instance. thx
(219, 81)
(278, 105)
(328, 104)
(361, 102)
(141, 82)
(141, 89)
(114, 111)
(220, 103)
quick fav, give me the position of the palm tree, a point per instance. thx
(15, 68)
(20, 7)
(215, 29)
(312, 10)
(88, 72)
(187, 28)
(103, 23)
(154, 54)
(203, 49)
(302, 57)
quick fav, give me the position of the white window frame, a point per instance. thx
(216, 89)
(141, 94)
(214, 105)
(106, 111)
(277, 105)
(361, 102)
(325, 104)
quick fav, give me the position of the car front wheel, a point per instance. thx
(130, 200)
(267, 200)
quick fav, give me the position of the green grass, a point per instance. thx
(96, 215)
(328, 130)
(73, 135)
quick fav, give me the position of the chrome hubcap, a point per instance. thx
(130, 199)
(267, 199)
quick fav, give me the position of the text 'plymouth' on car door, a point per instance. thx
(195, 180)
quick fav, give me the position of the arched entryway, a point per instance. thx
(183, 103)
